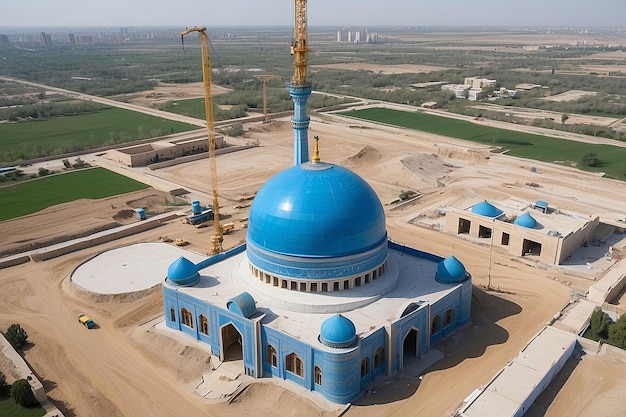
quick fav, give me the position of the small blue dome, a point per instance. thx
(486, 209)
(526, 220)
(242, 304)
(450, 271)
(183, 272)
(338, 332)
(316, 210)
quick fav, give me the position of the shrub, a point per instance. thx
(599, 325)
(591, 160)
(66, 163)
(617, 333)
(22, 393)
(4, 387)
(16, 336)
(43, 172)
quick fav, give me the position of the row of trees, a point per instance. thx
(603, 329)
(20, 391)
(49, 109)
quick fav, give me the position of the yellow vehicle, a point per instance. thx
(181, 242)
(166, 239)
(86, 321)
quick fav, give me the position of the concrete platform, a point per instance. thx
(130, 268)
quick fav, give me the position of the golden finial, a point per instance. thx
(316, 152)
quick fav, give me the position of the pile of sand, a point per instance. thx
(272, 126)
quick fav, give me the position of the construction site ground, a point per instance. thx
(125, 367)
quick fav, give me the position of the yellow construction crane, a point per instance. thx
(218, 237)
(299, 47)
(265, 78)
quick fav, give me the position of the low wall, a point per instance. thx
(13, 260)
(97, 239)
(198, 156)
(24, 372)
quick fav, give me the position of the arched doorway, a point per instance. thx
(410, 347)
(232, 344)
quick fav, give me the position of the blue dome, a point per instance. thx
(242, 304)
(526, 220)
(450, 271)
(338, 332)
(316, 210)
(183, 272)
(486, 209)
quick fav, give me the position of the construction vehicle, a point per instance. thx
(264, 79)
(181, 242)
(228, 227)
(166, 239)
(86, 321)
(218, 237)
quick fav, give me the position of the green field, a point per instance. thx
(58, 135)
(8, 407)
(32, 196)
(520, 144)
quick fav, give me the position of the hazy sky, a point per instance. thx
(586, 13)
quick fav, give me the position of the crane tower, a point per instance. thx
(264, 79)
(299, 88)
(218, 237)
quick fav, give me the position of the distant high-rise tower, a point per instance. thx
(4, 40)
(71, 38)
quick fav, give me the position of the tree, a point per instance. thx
(16, 336)
(22, 393)
(591, 160)
(66, 163)
(617, 333)
(564, 118)
(43, 172)
(4, 387)
(599, 325)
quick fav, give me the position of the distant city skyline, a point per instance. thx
(74, 13)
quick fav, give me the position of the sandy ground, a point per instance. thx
(165, 92)
(125, 368)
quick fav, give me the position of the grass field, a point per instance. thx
(57, 135)
(32, 196)
(8, 407)
(520, 144)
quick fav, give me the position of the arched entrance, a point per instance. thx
(410, 347)
(232, 347)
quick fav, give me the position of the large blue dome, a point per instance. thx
(338, 332)
(316, 210)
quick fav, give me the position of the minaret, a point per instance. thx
(299, 88)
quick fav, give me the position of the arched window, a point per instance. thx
(318, 376)
(294, 364)
(449, 317)
(187, 317)
(272, 358)
(435, 326)
(365, 367)
(203, 324)
(173, 315)
(378, 357)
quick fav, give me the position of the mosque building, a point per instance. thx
(318, 294)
